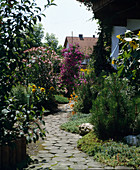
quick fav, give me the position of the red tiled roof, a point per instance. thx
(86, 44)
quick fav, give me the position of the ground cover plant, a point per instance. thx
(61, 99)
(74, 122)
(110, 152)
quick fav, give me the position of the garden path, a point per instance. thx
(59, 149)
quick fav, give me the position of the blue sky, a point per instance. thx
(67, 17)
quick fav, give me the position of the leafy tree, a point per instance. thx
(51, 41)
(34, 37)
(101, 53)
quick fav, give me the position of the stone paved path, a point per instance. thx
(59, 150)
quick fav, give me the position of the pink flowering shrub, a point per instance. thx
(40, 67)
(70, 68)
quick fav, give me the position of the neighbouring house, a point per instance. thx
(122, 15)
(86, 44)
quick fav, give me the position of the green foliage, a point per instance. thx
(113, 113)
(19, 120)
(75, 121)
(61, 99)
(84, 92)
(16, 18)
(109, 152)
(101, 54)
(88, 88)
(51, 41)
(20, 93)
(34, 37)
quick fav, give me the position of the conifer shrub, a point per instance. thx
(113, 111)
(20, 93)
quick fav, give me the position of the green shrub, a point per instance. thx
(113, 111)
(110, 152)
(20, 93)
(61, 99)
(85, 91)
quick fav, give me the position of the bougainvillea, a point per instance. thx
(70, 68)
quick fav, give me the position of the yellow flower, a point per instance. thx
(118, 36)
(73, 93)
(33, 86)
(52, 88)
(76, 96)
(39, 87)
(133, 44)
(138, 33)
(42, 89)
(33, 90)
(113, 62)
(81, 69)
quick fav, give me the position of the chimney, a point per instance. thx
(93, 36)
(81, 36)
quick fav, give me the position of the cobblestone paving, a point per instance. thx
(59, 150)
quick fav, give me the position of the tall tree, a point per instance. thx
(34, 37)
(51, 41)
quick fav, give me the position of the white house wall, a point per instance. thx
(117, 30)
(67, 46)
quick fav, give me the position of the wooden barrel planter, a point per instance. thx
(13, 153)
